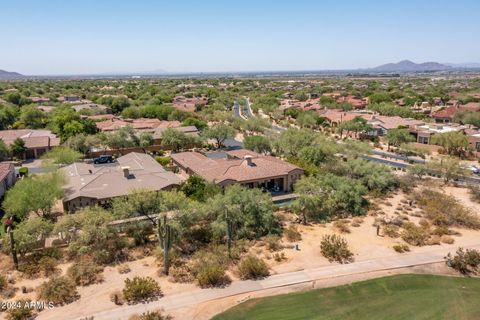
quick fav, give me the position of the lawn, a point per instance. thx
(398, 297)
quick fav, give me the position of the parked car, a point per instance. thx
(103, 159)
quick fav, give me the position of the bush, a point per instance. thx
(85, 272)
(150, 315)
(401, 248)
(58, 290)
(279, 256)
(212, 275)
(252, 268)
(447, 239)
(273, 242)
(335, 248)
(117, 297)
(342, 226)
(444, 210)
(48, 265)
(391, 231)
(141, 289)
(464, 261)
(123, 268)
(3, 282)
(163, 161)
(180, 274)
(23, 311)
(415, 235)
(292, 234)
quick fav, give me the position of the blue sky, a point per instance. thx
(104, 36)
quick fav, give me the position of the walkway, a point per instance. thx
(331, 271)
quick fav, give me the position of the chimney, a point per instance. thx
(126, 172)
(248, 158)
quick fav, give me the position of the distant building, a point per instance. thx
(91, 184)
(184, 104)
(446, 115)
(70, 98)
(243, 167)
(37, 142)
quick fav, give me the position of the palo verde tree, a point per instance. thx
(219, 133)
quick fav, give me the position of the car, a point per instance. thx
(103, 159)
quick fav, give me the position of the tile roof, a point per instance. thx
(235, 167)
(141, 123)
(108, 181)
(33, 138)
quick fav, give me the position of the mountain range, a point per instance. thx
(409, 66)
(6, 75)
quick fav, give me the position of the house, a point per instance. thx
(116, 123)
(7, 177)
(70, 98)
(39, 100)
(446, 115)
(382, 124)
(90, 184)
(37, 142)
(356, 102)
(424, 132)
(243, 167)
(184, 104)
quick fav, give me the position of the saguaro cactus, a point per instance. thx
(165, 237)
(229, 233)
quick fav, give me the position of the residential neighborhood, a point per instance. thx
(221, 160)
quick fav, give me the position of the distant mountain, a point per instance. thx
(409, 66)
(469, 65)
(6, 75)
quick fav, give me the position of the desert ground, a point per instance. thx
(362, 239)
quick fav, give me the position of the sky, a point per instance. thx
(49, 37)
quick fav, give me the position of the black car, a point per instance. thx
(103, 159)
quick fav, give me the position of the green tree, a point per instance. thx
(219, 133)
(260, 144)
(31, 117)
(291, 141)
(62, 155)
(198, 189)
(454, 143)
(449, 168)
(30, 234)
(17, 148)
(175, 139)
(397, 137)
(4, 151)
(199, 124)
(321, 198)
(35, 194)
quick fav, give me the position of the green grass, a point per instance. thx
(409, 297)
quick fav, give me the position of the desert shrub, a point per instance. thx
(123, 268)
(279, 256)
(85, 272)
(3, 282)
(391, 230)
(48, 265)
(30, 270)
(58, 290)
(181, 274)
(356, 222)
(434, 240)
(342, 226)
(141, 289)
(117, 297)
(441, 231)
(292, 234)
(150, 315)
(424, 223)
(464, 261)
(23, 311)
(211, 275)
(475, 193)
(415, 235)
(445, 210)
(273, 242)
(447, 239)
(335, 248)
(252, 267)
(401, 248)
